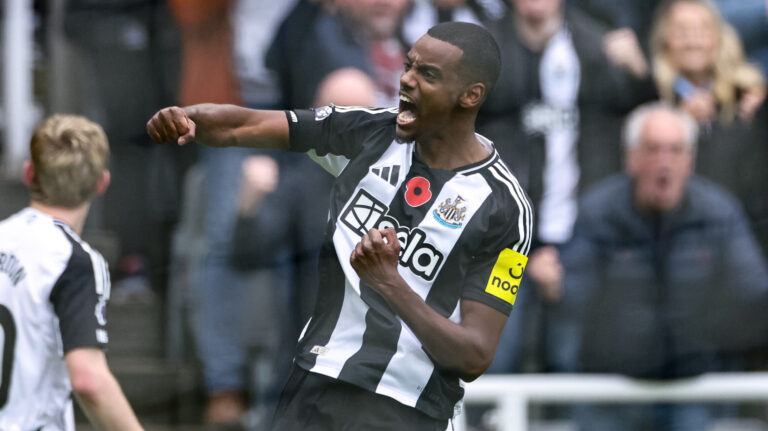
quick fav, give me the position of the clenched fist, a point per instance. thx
(171, 125)
(375, 257)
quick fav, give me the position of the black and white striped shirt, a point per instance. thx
(464, 234)
(53, 293)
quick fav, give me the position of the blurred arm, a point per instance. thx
(220, 126)
(97, 391)
(545, 269)
(623, 49)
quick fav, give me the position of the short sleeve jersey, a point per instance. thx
(464, 234)
(53, 293)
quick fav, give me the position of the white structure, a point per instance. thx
(18, 114)
(511, 394)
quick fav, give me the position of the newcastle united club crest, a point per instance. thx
(449, 213)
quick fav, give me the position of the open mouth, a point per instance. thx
(408, 111)
(662, 181)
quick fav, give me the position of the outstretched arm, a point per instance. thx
(97, 391)
(220, 126)
(466, 348)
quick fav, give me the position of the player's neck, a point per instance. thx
(72, 217)
(451, 150)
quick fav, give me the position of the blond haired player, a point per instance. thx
(54, 288)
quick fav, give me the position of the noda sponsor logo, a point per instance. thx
(365, 212)
(504, 281)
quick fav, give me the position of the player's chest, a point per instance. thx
(428, 209)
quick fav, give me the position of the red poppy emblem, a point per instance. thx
(417, 191)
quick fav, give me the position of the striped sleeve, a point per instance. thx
(337, 130)
(497, 269)
(333, 135)
(524, 209)
(79, 298)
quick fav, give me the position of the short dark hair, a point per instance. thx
(481, 60)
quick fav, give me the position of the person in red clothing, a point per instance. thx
(208, 75)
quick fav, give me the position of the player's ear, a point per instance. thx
(103, 183)
(29, 173)
(473, 95)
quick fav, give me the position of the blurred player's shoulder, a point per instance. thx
(36, 239)
(35, 228)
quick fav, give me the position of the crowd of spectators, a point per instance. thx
(649, 247)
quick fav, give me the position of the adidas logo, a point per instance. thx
(388, 173)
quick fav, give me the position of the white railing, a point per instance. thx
(17, 104)
(511, 394)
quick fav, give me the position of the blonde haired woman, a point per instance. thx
(699, 62)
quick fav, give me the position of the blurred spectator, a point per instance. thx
(255, 23)
(207, 76)
(660, 275)
(629, 21)
(698, 64)
(426, 13)
(224, 45)
(353, 50)
(260, 178)
(280, 224)
(124, 54)
(288, 44)
(555, 117)
(207, 60)
(279, 229)
(627, 15)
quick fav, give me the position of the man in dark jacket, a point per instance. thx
(661, 275)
